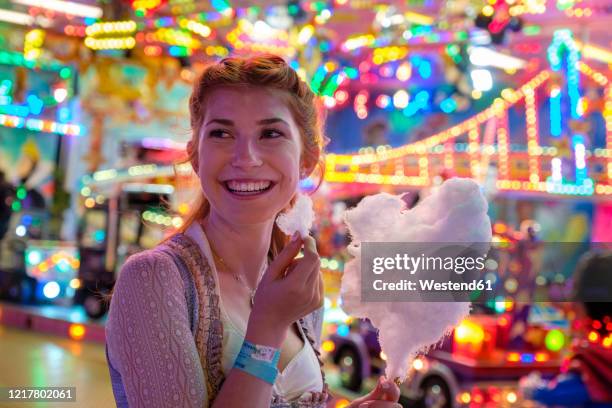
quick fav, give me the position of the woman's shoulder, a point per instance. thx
(148, 267)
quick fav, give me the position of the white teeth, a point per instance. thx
(248, 187)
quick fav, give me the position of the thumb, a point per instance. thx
(284, 258)
(376, 394)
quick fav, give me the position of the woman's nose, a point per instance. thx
(245, 155)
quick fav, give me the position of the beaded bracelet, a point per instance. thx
(259, 361)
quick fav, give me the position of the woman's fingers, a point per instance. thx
(283, 260)
(391, 391)
(310, 248)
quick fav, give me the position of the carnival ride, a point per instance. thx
(481, 144)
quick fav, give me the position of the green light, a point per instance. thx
(65, 73)
(452, 49)
(532, 30)
(554, 340)
(351, 72)
(21, 193)
(293, 9)
(318, 6)
(564, 4)
(34, 257)
(140, 13)
(16, 206)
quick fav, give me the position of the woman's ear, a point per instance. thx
(307, 166)
(193, 156)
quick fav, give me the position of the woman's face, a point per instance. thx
(249, 153)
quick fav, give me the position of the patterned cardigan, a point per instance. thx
(160, 351)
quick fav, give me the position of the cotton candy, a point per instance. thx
(299, 218)
(454, 212)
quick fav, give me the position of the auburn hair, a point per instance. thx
(269, 71)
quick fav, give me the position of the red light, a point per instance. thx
(477, 396)
(494, 394)
(503, 321)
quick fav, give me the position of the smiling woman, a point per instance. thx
(222, 312)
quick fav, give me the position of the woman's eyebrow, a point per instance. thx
(228, 122)
(271, 121)
(225, 122)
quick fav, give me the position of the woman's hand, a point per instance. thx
(289, 290)
(384, 395)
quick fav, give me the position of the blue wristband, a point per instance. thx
(259, 361)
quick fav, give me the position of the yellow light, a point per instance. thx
(541, 357)
(513, 357)
(177, 222)
(90, 202)
(418, 364)
(511, 397)
(328, 346)
(469, 332)
(476, 94)
(75, 283)
(111, 27)
(383, 355)
(343, 403)
(76, 331)
(488, 11)
(465, 397)
(305, 34)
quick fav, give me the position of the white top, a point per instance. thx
(302, 374)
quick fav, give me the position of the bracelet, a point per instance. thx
(259, 361)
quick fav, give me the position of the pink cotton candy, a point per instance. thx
(299, 218)
(454, 212)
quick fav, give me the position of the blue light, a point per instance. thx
(555, 113)
(220, 5)
(63, 114)
(89, 20)
(527, 358)
(35, 104)
(448, 105)
(307, 184)
(422, 97)
(411, 109)
(26, 220)
(425, 69)
(343, 330)
(99, 235)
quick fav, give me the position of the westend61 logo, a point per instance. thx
(476, 272)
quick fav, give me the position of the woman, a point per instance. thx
(221, 314)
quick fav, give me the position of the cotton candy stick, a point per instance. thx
(455, 212)
(299, 218)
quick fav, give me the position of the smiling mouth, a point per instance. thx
(248, 188)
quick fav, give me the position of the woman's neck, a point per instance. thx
(243, 248)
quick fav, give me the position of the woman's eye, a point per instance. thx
(220, 133)
(272, 133)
